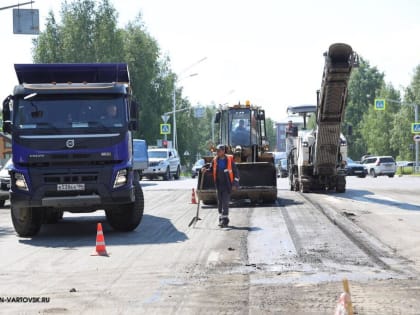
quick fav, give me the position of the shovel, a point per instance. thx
(197, 218)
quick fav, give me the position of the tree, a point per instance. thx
(375, 126)
(402, 138)
(365, 83)
(88, 32)
(271, 133)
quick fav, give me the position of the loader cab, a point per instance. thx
(242, 126)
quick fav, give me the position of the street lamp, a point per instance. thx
(175, 140)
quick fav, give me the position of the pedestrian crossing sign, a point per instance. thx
(415, 128)
(165, 129)
(380, 104)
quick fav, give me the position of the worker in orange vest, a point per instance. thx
(226, 179)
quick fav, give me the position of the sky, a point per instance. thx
(268, 51)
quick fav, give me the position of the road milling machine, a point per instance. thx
(242, 129)
(316, 158)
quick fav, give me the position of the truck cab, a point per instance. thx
(72, 148)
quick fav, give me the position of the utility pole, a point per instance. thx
(175, 140)
(416, 120)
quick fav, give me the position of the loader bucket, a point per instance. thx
(258, 182)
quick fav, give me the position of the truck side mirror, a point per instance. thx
(7, 124)
(217, 118)
(295, 131)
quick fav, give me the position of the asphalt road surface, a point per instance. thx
(286, 258)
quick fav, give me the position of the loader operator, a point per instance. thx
(226, 179)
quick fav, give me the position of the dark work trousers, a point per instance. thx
(223, 199)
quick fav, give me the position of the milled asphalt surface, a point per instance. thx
(284, 258)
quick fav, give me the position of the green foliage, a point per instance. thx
(271, 133)
(375, 126)
(365, 83)
(88, 32)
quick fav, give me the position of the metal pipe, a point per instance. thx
(16, 5)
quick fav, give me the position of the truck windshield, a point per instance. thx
(70, 112)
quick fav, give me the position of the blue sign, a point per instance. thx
(415, 128)
(165, 129)
(380, 104)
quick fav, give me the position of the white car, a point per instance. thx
(380, 165)
(5, 182)
(163, 163)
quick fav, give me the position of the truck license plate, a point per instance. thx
(70, 187)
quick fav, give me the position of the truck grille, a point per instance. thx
(153, 164)
(71, 178)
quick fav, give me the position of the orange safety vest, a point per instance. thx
(228, 167)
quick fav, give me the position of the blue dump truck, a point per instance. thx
(71, 127)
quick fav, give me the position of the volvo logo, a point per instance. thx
(70, 143)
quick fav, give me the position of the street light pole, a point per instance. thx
(416, 118)
(175, 138)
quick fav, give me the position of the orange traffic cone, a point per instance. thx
(100, 242)
(193, 200)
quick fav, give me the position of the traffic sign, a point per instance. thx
(165, 129)
(415, 128)
(26, 21)
(380, 104)
(199, 112)
(416, 138)
(165, 118)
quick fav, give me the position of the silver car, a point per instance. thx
(380, 165)
(163, 163)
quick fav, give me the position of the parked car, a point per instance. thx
(5, 182)
(163, 162)
(355, 169)
(380, 165)
(197, 167)
(140, 156)
(282, 170)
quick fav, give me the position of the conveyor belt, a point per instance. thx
(339, 61)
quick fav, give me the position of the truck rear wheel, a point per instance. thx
(26, 221)
(127, 217)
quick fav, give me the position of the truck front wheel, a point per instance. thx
(127, 217)
(26, 221)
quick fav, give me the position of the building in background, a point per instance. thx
(281, 131)
(5, 147)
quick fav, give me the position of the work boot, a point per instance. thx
(220, 220)
(225, 222)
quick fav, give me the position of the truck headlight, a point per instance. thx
(121, 179)
(20, 181)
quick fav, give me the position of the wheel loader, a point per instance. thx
(242, 129)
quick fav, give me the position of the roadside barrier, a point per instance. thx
(100, 249)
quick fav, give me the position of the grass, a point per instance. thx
(406, 171)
